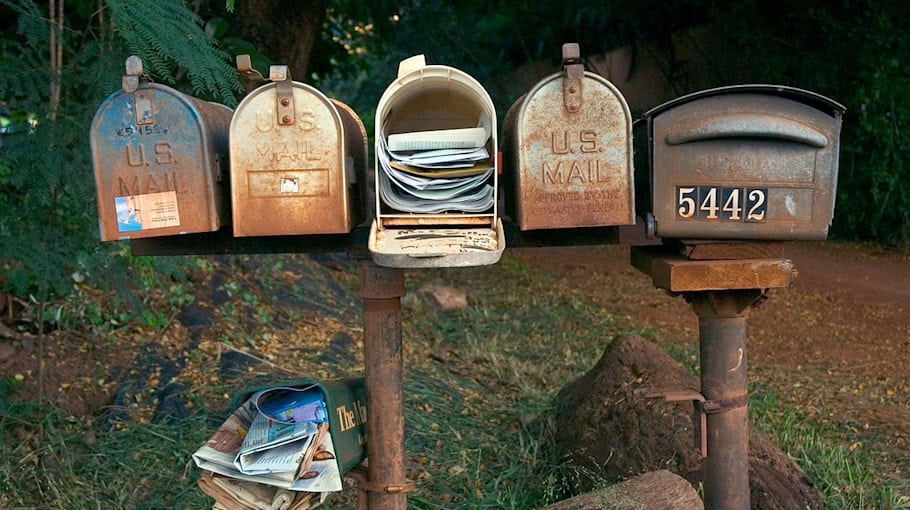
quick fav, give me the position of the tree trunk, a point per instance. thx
(283, 30)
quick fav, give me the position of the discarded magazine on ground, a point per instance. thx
(436, 171)
(285, 447)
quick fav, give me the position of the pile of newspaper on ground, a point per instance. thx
(439, 171)
(273, 453)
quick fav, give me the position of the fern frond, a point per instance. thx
(166, 35)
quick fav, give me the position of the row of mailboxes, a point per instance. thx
(297, 161)
(741, 162)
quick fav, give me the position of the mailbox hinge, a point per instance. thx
(701, 408)
(284, 94)
(574, 74)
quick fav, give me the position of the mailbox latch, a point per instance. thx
(284, 94)
(142, 99)
(574, 74)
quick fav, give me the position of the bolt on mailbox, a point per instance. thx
(747, 162)
(157, 155)
(298, 160)
(436, 171)
(568, 150)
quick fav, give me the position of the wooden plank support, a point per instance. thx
(675, 273)
(720, 250)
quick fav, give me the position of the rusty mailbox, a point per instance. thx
(436, 171)
(158, 157)
(568, 152)
(297, 160)
(752, 162)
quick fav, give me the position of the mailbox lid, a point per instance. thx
(157, 155)
(570, 165)
(436, 247)
(290, 166)
(744, 162)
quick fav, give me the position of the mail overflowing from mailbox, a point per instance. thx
(437, 171)
(277, 446)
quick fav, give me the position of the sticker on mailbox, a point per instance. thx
(721, 203)
(144, 212)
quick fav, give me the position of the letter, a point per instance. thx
(263, 148)
(576, 173)
(264, 120)
(306, 121)
(601, 176)
(170, 181)
(151, 186)
(281, 151)
(306, 152)
(131, 160)
(565, 143)
(554, 176)
(163, 154)
(126, 189)
(588, 140)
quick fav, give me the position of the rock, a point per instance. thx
(445, 298)
(605, 426)
(657, 490)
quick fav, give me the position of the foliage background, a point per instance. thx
(854, 52)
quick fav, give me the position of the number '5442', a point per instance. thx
(721, 203)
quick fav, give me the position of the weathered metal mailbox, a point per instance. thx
(436, 171)
(158, 157)
(568, 152)
(744, 162)
(298, 161)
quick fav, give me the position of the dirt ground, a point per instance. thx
(836, 344)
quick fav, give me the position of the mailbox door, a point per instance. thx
(744, 166)
(571, 155)
(288, 164)
(157, 156)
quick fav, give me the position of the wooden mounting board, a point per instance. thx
(675, 273)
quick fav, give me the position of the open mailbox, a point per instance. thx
(748, 162)
(568, 152)
(436, 171)
(298, 160)
(158, 155)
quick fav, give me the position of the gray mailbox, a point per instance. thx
(568, 152)
(158, 156)
(744, 162)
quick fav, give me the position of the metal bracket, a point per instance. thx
(701, 408)
(359, 474)
(142, 99)
(133, 74)
(574, 74)
(245, 66)
(284, 94)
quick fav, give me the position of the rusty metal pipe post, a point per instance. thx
(722, 340)
(381, 289)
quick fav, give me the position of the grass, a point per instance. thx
(480, 386)
(845, 476)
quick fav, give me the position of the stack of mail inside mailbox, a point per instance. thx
(435, 172)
